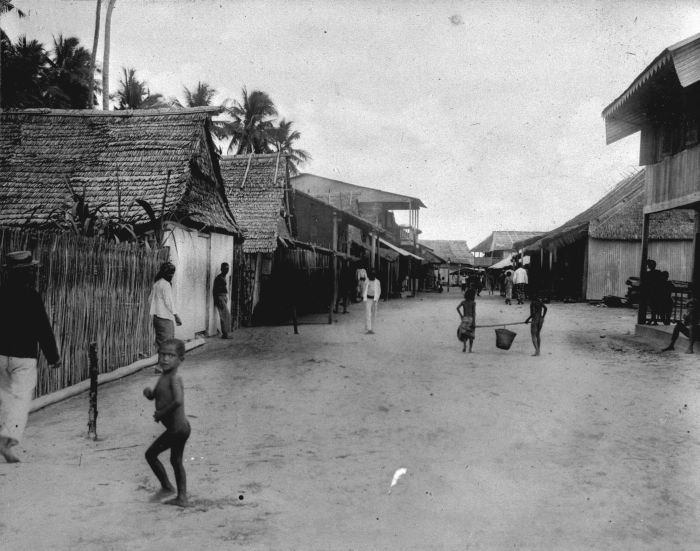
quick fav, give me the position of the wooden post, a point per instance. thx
(372, 258)
(334, 268)
(448, 275)
(92, 413)
(642, 314)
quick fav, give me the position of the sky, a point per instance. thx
(488, 111)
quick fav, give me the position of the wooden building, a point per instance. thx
(55, 165)
(593, 254)
(663, 104)
(499, 245)
(454, 255)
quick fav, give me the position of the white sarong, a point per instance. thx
(17, 382)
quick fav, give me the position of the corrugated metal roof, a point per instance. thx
(678, 66)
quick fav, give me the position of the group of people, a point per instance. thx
(466, 332)
(515, 282)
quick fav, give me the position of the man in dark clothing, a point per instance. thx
(221, 301)
(24, 326)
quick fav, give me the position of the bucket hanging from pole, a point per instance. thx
(504, 338)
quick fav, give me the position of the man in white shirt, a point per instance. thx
(370, 296)
(519, 281)
(162, 305)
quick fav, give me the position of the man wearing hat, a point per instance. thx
(24, 327)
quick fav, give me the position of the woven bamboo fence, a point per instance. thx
(93, 290)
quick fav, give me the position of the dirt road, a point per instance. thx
(295, 440)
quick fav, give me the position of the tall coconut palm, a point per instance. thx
(26, 64)
(69, 77)
(105, 59)
(202, 95)
(93, 54)
(283, 140)
(252, 127)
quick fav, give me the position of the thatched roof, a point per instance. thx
(456, 251)
(115, 157)
(255, 189)
(619, 216)
(504, 240)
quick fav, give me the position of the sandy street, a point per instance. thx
(594, 445)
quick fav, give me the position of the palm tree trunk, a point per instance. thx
(93, 57)
(105, 61)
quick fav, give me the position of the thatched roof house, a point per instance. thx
(256, 189)
(503, 241)
(594, 253)
(456, 252)
(113, 158)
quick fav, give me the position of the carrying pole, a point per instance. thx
(92, 413)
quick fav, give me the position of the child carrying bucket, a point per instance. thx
(536, 319)
(467, 313)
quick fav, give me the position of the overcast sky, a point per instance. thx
(490, 112)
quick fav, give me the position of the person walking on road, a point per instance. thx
(508, 286)
(520, 280)
(220, 293)
(467, 313)
(162, 304)
(24, 324)
(370, 296)
(536, 319)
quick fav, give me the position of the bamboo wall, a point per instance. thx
(674, 182)
(93, 291)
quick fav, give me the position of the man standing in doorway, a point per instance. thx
(221, 301)
(519, 281)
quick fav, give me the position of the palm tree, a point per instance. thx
(252, 126)
(6, 7)
(93, 55)
(26, 64)
(283, 140)
(69, 76)
(202, 96)
(133, 93)
(105, 59)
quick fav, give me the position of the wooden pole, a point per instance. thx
(372, 263)
(642, 314)
(334, 268)
(92, 413)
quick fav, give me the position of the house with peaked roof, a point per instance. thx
(593, 254)
(499, 245)
(662, 104)
(454, 256)
(163, 158)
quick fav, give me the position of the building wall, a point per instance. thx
(611, 263)
(197, 257)
(314, 222)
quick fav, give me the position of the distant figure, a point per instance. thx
(520, 281)
(361, 279)
(689, 327)
(665, 300)
(169, 394)
(163, 306)
(467, 314)
(220, 293)
(346, 287)
(536, 319)
(370, 296)
(463, 282)
(508, 285)
(23, 325)
(650, 283)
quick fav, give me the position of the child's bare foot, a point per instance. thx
(163, 492)
(9, 455)
(689, 351)
(536, 354)
(179, 501)
(669, 347)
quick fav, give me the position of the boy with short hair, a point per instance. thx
(537, 313)
(169, 395)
